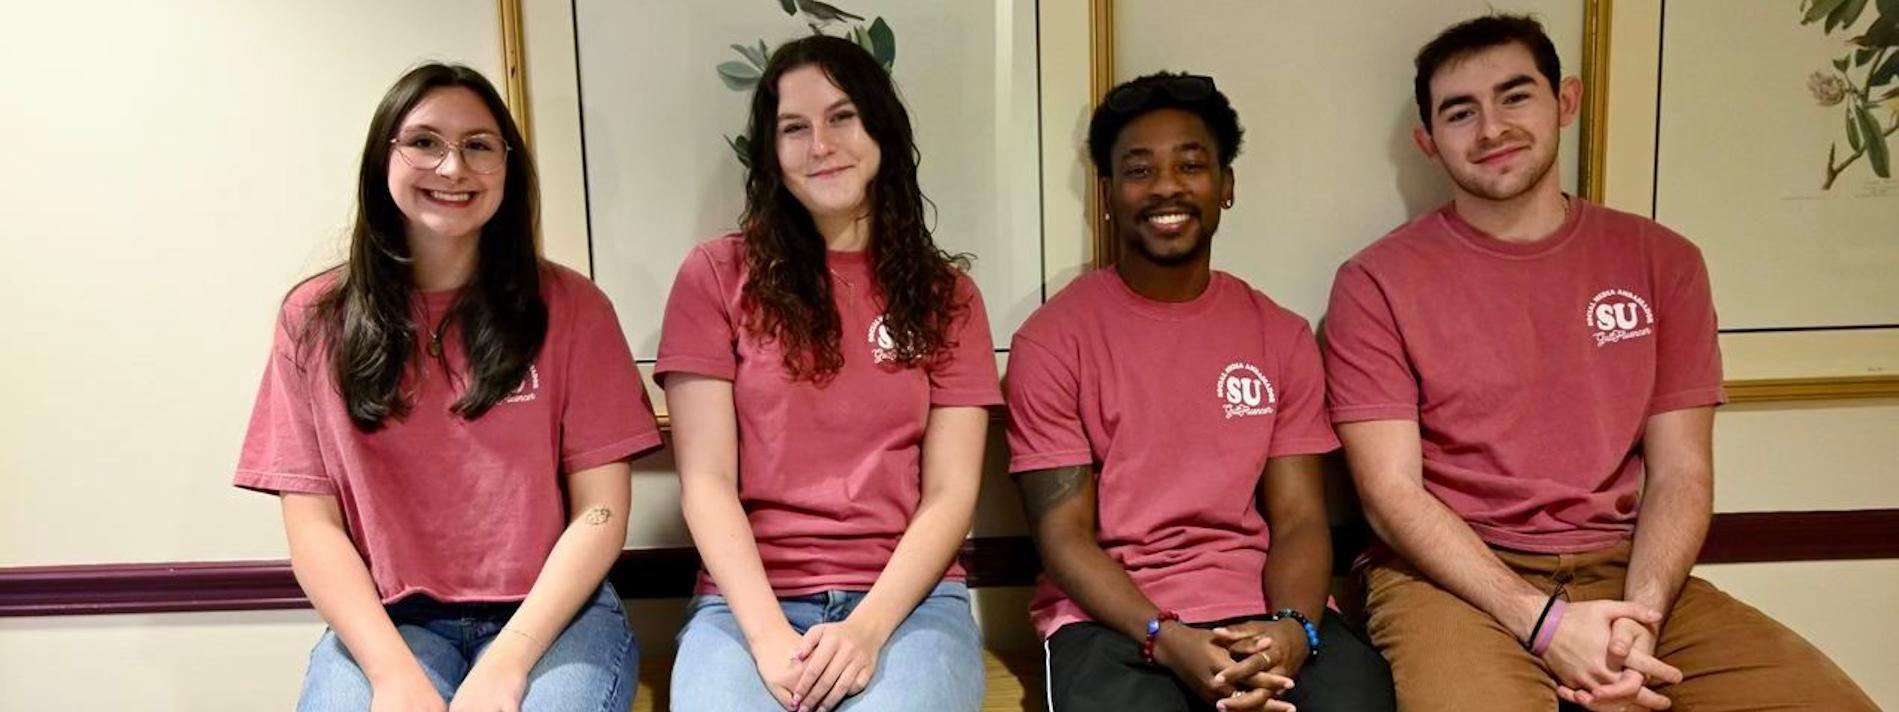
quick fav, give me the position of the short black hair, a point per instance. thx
(1213, 109)
(1474, 35)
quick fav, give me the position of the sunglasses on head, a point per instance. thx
(1186, 87)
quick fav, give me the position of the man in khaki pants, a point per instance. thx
(1525, 386)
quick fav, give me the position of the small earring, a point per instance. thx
(1107, 217)
(1228, 204)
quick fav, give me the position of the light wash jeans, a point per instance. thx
(591, 667)
(933, 661)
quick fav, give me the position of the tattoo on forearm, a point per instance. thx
(1043, 490)
(597, 515)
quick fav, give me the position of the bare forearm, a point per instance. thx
(928, 546)
(338, 584)
(1443, 547)
(1668, 536)
(950, 475)
(574, 568)
(1299, 572)
(1097, 583)
(1060, 504)
(1677, 501)
(724, 538)
(1387, 463)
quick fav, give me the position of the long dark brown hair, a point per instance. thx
(365, 319)
(787, 294)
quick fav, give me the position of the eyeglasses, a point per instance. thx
(1133, 96)
(425, 150)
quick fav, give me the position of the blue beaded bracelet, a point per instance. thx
(1312, 631)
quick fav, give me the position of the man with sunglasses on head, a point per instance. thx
(1525, 384)
(1166, 424)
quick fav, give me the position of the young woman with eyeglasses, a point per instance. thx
(448, 421)
(828, 370)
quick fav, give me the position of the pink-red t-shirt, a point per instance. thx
(460, 510)
(829, 475)
(1177, 406)
(1531, 369)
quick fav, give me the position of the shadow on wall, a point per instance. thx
(1419, 180)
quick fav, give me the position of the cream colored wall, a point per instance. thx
(173, 169)
(190, 248)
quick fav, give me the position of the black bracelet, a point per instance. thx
(1547, 605)
(1312, 631)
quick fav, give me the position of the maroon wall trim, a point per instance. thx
(669, 573)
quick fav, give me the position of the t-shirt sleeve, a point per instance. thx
(1044, 395)
(698, 334)
(282, 452)
(606, 414)
(1301, 427)
(1688, 348)
(966, 375)
(1368, 376)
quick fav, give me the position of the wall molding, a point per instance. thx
(89, 589)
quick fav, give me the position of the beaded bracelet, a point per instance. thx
(1153, 632)
(1312, 631)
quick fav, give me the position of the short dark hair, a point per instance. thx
(1474, 35)
(1110, 117)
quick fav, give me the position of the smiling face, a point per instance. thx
(1167, 186)
(1496, 122)
(825, 155)
(450, 200)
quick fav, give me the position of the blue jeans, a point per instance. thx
(933, 661)
(592, 666)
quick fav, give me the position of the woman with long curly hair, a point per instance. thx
(828, 370)
(447, 420)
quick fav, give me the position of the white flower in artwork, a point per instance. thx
(1828, 89)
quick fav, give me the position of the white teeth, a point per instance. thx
(450, 197)
(1169, 219)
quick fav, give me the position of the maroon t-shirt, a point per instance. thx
(1177, 407)
(1531, 369)
(461, 510)
(829, 475)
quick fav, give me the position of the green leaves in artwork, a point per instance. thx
(878, 40)
(1820, 9)
(1887, 71)
(742, 146)
(1844, 15)
(755, 55)
(883, 43)
(1883, 33)
(1852, 133)
(1877, 153)
(790, 6)
(738, 76)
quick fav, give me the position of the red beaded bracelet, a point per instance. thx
(1153, 632)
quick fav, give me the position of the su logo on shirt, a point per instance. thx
(1617, 315)
(530, 386)
(883, 349)
(1243, 391)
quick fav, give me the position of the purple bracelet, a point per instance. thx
(1547, 634)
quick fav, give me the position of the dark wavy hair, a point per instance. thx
(1214, 110)
(365, 319)
(1478, 34)
(787, 294)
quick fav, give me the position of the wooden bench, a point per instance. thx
(1014, 678)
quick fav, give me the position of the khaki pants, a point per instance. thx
(1447, 655)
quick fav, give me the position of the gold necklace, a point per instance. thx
(435, 335)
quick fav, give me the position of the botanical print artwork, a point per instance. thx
(1864, 82)
(822, 18)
